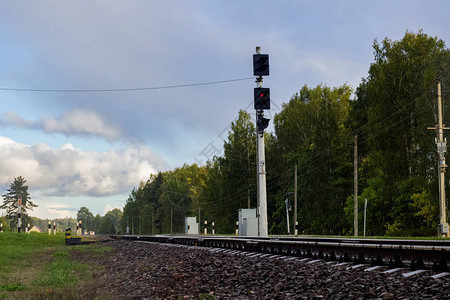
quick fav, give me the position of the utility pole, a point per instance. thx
(153, 222)
(140, 224)
(441, 148)
(295, 202)
(365, 215)
(287, 215)
(262, 101)
(248, 171)
(355, 195)
(286, 201)
(262, 194)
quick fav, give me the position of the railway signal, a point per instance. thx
(262, 102)
(260, 64)
(261, 123)
(261, 98)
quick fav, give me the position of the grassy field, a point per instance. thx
(41, 266)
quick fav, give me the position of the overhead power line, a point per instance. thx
(123, 89)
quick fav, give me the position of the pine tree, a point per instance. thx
(17, 190)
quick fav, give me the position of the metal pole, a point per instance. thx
(287, 215)
(442, 148)
(132, 225)
(263, 226)
(355, 195)
(248, 170)
(171, 219)
(365, 215)
(295, 202)
(153, 222)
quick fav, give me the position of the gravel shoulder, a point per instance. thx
(140, 270)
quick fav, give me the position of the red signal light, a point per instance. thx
(262, 98)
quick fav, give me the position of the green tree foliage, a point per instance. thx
(5, 223)
(391, 113)
(312, 131)
(180, 197)
(161, 204)
(97, 220)
(231, 179)
(106, 226)
(398, 107)
(378, 207)
(114, 216)
(86, 218)
(130, 212)
(17, 190)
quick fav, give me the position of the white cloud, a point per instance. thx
(73, 172)
(71, 123)
(109, 208)
(54, 209)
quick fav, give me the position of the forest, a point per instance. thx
(390, 112)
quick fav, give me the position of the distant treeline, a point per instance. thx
(107, 224)
(397, 158)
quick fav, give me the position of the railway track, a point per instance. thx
(415, 255)
(193, 267)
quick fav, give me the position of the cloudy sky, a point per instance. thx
(77, 147)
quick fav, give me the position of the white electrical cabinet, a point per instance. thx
(248, 223)
(191, 225)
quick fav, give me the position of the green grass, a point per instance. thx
(12, 287)
(62, 271)
(14, 245)
(38, 265)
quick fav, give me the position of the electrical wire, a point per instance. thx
(123, 89)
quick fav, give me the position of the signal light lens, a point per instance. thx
(262, 98)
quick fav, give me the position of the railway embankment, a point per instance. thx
(148, 270)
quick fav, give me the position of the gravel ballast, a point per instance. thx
(140, 270)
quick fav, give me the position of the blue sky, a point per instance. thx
(91, 149)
